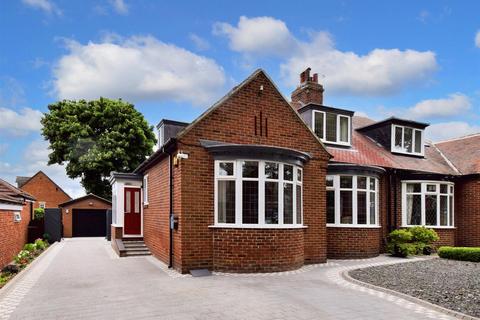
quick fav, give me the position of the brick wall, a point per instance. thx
(13, 235)
(447, 237)
(44, 190)
(353, 243)
(233, 122)
(89, 203)
(467, 211)
(259, 250)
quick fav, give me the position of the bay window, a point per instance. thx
(254, 193)
(407, 140)
(352, 200)
(331, 127)
(427, 203)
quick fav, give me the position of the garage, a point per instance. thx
(85, 216)
(89, 223)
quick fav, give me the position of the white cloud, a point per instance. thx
(477, 39)
(34, 159)
(20, 123)
(45, 5)
(379, 72)
(259, 36)
(119, 6)
(447, 130)
(200, 43)
(137, 68)
(455, 104)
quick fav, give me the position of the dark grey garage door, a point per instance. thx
(89, 222)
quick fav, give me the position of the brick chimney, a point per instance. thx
(309, 90)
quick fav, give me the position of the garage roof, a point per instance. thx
(88, 196)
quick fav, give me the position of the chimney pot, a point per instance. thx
(315, 77)
(309, 91)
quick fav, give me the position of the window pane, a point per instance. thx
(362, 182)
(128, 205)
(271, 170)
(346, 207)
(287, 203)
(250, 202)
(299, 204)
(361, 207)
(418, 141)
(443, 210)
(299, 175)
(225, 169)
(331, 127)
(373, 208)
(344, 129)
(288, 172)
(450, 211)
(431, 210)
(318, 124)
(407, 139)
(431, 188)
(329, 181)
(226, 201)
(413, 187)
(330, 206)
(443, 188)
(250, 169)
(373, 184)
(414, 209)
(137, 201)
(346, 182)
(398, 137)
(271, 202)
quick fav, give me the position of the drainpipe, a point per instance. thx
(389, 202)
(395, 205)
(170, 177)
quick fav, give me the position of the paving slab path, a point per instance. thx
(81, 278)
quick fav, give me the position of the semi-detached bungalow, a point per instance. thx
(261, 184)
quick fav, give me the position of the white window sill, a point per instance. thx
(356, 226)
(233, 226)
(431, 227)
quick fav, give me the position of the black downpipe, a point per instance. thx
(170, 174)
(389, 202)
(395, 205)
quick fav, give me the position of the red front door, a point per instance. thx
(133, 215)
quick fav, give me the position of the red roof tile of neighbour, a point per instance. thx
(464, 153)
(11, 194)
(365, 151)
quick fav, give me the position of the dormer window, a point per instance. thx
(332, 127)
(407, 140)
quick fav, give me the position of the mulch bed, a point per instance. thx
(454, 285)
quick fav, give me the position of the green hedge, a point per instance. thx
(460, 253)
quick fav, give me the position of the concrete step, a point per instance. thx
(137, 254)
(134, 245)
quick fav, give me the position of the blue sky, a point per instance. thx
(414, 59)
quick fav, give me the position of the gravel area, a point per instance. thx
(451, 284)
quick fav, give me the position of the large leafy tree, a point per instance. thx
(94, 138)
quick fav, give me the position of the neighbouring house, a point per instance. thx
(85, 216)
(260, 184)
(15, 208)
(45, 190)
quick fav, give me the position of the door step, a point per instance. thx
(135, 248)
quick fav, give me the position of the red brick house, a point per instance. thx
(258, 184)
(45, 190)
(15, 206)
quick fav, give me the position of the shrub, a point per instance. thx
(460, 253)
(22, 258)
(424, 239)
(40, 244)
(399, 243)
(30, 247)
(38, 214)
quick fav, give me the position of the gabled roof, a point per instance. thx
(394, 120)
(88, 196)
(365, 151)
(13, 195)
(41, 172)
(463, 152)
(160, 153)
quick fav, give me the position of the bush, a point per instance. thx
(22, 258)
(38, 214)
(424, 239)
(415, 240)
(460, 253)
(40, 244)
(30, 247)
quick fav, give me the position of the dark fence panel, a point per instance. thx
(109, 222)
(53, 224)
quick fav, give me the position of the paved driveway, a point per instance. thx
(82, 279)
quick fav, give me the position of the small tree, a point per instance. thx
(38, 213)
(94, 138)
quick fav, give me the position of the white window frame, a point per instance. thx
(338, 142)
(403, 149)
(237, 177)
(145, 189)
(336, 188)
(17, 217)
(423, 191)
(42, 204)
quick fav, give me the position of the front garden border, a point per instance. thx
(346, 276)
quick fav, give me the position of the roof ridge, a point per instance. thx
(450, 163)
